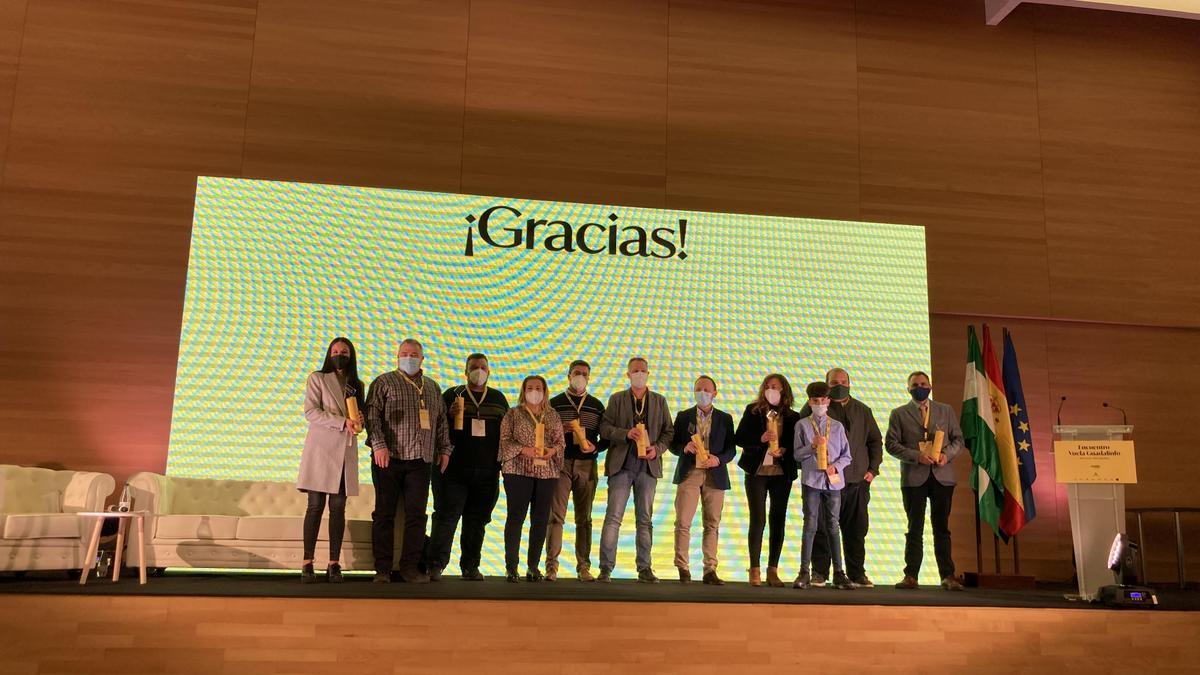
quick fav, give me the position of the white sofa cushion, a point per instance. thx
(291, 528)
(41, 526)
(195, 527)
(273, 528)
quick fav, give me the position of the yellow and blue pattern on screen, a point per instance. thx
(278, 269)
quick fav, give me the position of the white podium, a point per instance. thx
(1095, 462)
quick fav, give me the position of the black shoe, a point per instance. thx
(818, 580)
(534, 575)
(435, 574)
(685, 576)
(712, 579)
(863, 582)
(605, 576)
(382, 578)
(512, 577)
(307, 576)
(333, 573)
(646, 576)
(803, 581)
(841, 581)
(414, 577)
(472, 574)
(908, 584)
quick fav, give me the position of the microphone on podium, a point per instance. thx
(1060, 407)
(1124, 417)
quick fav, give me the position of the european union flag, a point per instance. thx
(1018, 415)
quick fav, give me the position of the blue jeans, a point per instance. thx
(620, 484)
(826, 505)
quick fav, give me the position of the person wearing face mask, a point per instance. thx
(408, 432)
(471, 484)
(923, 479)
(579, 476)
(821, 485)
(704, 482)
(632, 414)
(866, 454)
(329, 465)
(531, 471)
(768, 471)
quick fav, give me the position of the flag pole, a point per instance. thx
(996, 548)
(978, 534)
(1016, 556)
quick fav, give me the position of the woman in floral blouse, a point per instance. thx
(531, 457)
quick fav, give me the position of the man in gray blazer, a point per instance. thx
(922, 478)
(627, 472)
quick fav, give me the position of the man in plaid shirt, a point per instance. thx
(408, 431)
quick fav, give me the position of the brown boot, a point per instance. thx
(754, 578)
(773, 579)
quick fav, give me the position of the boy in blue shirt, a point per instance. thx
(821, 488)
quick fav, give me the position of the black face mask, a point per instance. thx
(341, 361)
(839, 391)
(920, 393)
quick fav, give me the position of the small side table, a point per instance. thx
(122, 527)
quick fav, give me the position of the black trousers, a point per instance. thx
(854, 523)
(404, 481)
(939, 497)
(758, 488)
(521, 492)
(337, 521)
(469, 494)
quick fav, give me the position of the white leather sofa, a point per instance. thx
(39, 528)
(200, 522)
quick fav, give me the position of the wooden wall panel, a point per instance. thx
(358, 93)
(1119, 102)
(763, 108)
(948, 121)
(119, 106)
(566, 99)
(12, 25)
(909, 112)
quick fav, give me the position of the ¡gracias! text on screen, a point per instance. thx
(501, 226)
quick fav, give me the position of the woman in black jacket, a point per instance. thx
(768, 473)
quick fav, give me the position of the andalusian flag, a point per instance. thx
(979, 432)
(1019, 418)
(1012, 515)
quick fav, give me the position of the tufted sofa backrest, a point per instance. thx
(26, 489)
(213, 496)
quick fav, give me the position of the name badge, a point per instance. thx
(423, 415)
(478, 428)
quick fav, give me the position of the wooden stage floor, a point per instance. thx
(106, 630)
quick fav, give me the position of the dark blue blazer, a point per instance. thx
(720, 445)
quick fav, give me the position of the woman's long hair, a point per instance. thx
(785, 395)
(354, 386)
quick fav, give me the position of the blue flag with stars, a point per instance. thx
(1019, 417)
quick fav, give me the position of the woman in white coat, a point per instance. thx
(329, 467)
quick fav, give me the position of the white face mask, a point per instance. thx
(704, 399)
(478, 377)
(409, 364)
(820, 410)
(772, 396)
(639, 378)
(533, 396)
(579, 383)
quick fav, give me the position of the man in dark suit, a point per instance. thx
(631, 415)
(923, 478)
(697, 481)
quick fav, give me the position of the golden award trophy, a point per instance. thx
(539, 442)
(643, 441)
(701, 451)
